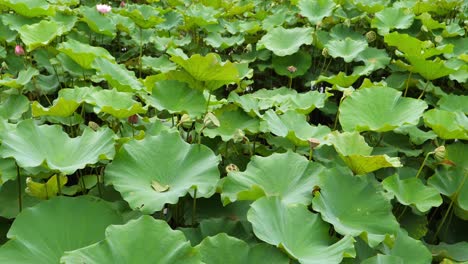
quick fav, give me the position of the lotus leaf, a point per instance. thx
(414, 47)
(34, 145)
(14, 106)
(24, 77)
(379, 109)
(145, 16)
(217, 41)
(161, 64)
(300, 61)
(374, 59)
(383, 259)
(276, 223)
(83, 54)
(429, 69)
(117, 75)
(167, 160)
(347, 48)
(283, 42)
(341, 79)
(454, 103)
(225, 249)
(39, 34)
(45, 190)
(117, 104)
(97, 22)
(60, 107)
(413, 192)
(447, 124)
(315, 11)
(136, 242)
(417, 136)
(29, 8)
(457, 251)
(410, 249)
(7, 170)
(390, 18)
(41, 234)
(9, 197)
(360, 209)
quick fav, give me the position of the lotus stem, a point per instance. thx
(20, 195)
(290, 82)
(424, 162)
(424, 90)
(59, 188)
(407, 83)
(194, 207)
(141, 52)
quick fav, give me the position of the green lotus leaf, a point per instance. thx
(73, 68)
(410, 249)
(457, 251)
(374, 59)
(79, 94)
(233, 124)
(219, 42)
(42, 234)
(417, 136)
(135, 242)
(355, 152)
(7, 170)
(14, 106)
(283, 42)
(293, 126)
(293, 65)
(414, 47)
(315, 11)
(341, 79)
(454, 103)
(200, 15)
(413, 192)
(429, 69)
(60, 107)
(447, 124)
(379, 109)
(383, 259)
(46, 190)
(371, 6)
(117, 75)
(117, 104)
(282, 98)
(176, 97)
(39, 34)
(24, 77)
(276, 223)
(209, 69)
(97, 22)
(32, 145)
(288, 175)
(82, 53)
(225, 249)
(9, 195)
(145, 16)
(29, 8)
(160, 64)
(429, 22)
(390, 18)
(139, 163)
(347, 48)
(360, 209)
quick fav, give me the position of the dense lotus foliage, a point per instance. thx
(233, 131)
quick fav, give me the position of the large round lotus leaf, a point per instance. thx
(117, 104)
(277, 223)
(293, 126)
(160, 169)
(447, 124)
(14, 106)
(358, 209)
(283, 42)
(9, 198)
(145, 240)
(347, 48)
(7, 170)
(159, 64)
(289, 176)
(32, 145)
(216, 40)
(29, 8)
(41, 234)
(60, 107)
(429, 69)
(82, 53)
(391, 18)
(410, 249)
(454, 103)
(177, 97)
(341, 79)
(24, 77)
(414, 47)
(39, 34)
(145, 16)
(233, 124)
(379, 109)
(315, 11)
(355, 152)
(300, 62)
(101, 24)
(413, 192)
(229, 250)
(117, 75)
(373, 59)
(416, 135)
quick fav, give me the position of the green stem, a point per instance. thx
(290, 82)
(424, 90)
(422, 165)
(20, 195)
(310, 153)
(141, 52)
(194, 207)
(407, 83)
(59, 188)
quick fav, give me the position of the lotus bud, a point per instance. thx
(122, 4)
(133, 119)
(371, 36)
(19, 51)
(231, 167)
(211, 121)
(325, 53)
(93, 125)
(103, 9)
(440, 153)
(184, 119)
(438, 39)
(313, 143)
(239, 136)
(292, 69)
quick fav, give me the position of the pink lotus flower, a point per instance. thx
(103, 9)
(19, 50)
(122, 4)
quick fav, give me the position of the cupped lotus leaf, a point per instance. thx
(454, 103)
(413, 192)
(219, 42)
(447, 124)
(168, 160)
(412, 46)
(83, 54)
(293, 126)
(60, 107)
(383, 259)
(97, 22)
(39, 34)
(347, 48)
(456, 251)
(41, 234)
(340, 79)
(315, 11)
(14, 106)
(117, 104)
(391, 18)
(117, 75)
(24, 77)
(29, 8)
(136, 242)
(289, 176)
(379, 109)
(283, 42)
(229, 250)
(293, 65)
(176, 97)
(46, 190)
(34, 145)
(355, 152)
(410, 249)
(276, 223)
(160, 64)
(360, 209)
(233, 124)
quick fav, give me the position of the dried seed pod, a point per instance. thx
(231, 167)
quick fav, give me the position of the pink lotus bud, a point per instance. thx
(19, 50)
(103, 9)
(133, 119)
(122, 4)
